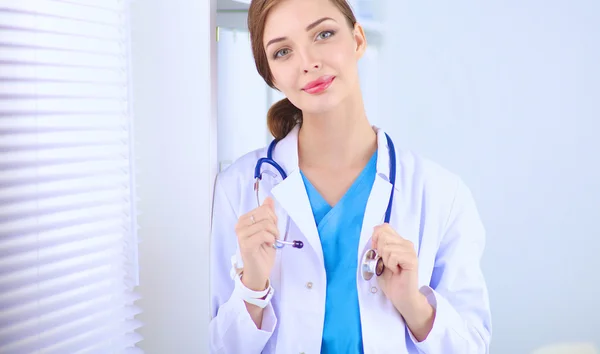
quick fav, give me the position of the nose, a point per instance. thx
(310, 62)
(314, 67)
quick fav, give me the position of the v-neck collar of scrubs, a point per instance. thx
(322, 211)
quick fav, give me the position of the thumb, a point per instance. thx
(269, 202)
(374, 239)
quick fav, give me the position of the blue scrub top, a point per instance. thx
(339, 229)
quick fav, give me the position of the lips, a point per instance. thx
(319, 85)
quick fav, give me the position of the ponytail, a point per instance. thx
(283, 116)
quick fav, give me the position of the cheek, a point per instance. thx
(278, 76)
(284, 77)
(344, 58)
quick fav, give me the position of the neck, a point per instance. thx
(339, 139)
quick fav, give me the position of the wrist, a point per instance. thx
(419, 316)
(260, 298)
(254, 283)
(414, 306)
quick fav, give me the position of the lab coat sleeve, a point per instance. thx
(457, 291)
(231, 329)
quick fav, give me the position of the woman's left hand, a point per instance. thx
(399, 280)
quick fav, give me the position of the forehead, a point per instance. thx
(292, 16)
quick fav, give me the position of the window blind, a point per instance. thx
(68, 232)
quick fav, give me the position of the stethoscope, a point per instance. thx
(372, 263)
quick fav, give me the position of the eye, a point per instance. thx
(281, 53)
(325, 34)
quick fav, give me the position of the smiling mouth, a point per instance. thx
(319, 85)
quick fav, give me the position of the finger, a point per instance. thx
(397, 257)
(387, 254)
(395, 260)
(406, 260)
(255, 216)
(381, 235)
(268, 207)
(263, 225)
(383, 227)
(269, 203)
(400, 258)
(387, 228)
(377, 237)
(374, 240)
(383, 238)
(263, 213)
(259, 239)
(271, 213)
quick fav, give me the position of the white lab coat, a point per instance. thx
(432, 208)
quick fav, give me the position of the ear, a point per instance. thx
(360, 39)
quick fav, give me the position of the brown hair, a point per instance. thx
(283, 115)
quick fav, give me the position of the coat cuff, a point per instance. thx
(445, 317)
(269, 320)
(241, 334)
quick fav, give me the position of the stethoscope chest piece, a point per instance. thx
(372, 264)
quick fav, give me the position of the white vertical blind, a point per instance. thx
(68, 232)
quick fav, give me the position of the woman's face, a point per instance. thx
(313, 53)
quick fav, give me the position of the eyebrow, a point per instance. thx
(308, 28)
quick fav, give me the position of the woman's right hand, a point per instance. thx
(257, 232)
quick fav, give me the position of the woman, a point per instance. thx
(431, 297)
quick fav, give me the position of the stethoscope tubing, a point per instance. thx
(372, 264)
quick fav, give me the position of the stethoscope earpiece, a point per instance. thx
(295, 244)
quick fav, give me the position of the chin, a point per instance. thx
(319, 104)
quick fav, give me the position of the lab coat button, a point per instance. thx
(373, 290)
(309, 285)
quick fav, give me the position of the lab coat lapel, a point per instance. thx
(291, 193)
(375, 211)
(379, 197)
(404, 212)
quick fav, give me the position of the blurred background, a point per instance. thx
(505, 94)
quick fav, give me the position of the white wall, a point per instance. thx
(176, 134)
(507, 94)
